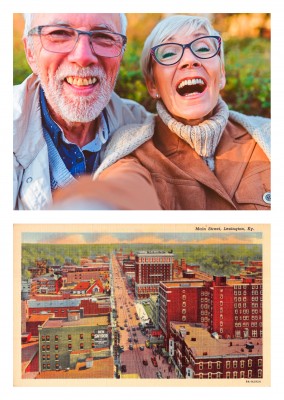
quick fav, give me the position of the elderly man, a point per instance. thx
(66, 110)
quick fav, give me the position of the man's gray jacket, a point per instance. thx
(31, 176)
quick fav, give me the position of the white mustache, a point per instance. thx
(63, 72)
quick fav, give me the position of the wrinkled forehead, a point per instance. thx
(81, 20)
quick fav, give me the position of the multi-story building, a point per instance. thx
(64, 342)
(232, 308)
(60, 308)
(236, 308)
(152, 267)
(198, 354)
(185, 300)
(48, 283)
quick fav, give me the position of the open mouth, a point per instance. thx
(189, 87)
(78, 81)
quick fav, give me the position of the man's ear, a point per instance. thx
(151, 86)
(30, 56)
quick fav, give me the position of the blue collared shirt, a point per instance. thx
(77, 160)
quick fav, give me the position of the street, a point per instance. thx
(134, 354)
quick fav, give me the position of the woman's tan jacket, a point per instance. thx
(180, 177)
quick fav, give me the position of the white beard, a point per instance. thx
(78, 108)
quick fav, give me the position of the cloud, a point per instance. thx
(67, 239)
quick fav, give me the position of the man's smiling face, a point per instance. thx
(77, 85)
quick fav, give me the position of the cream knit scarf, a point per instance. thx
(203, 138)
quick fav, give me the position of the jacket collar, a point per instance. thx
(235, 143)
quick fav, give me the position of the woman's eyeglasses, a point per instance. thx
(171, 53)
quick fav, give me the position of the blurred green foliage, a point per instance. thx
(247, 63)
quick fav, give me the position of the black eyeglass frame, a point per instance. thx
(186, 46)
(37, 31)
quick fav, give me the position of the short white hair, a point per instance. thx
(168, 27)
(29, 18)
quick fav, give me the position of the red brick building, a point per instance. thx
(152, 267)
(184, 300)
(199, 355)
(60, 308)
(48, 283)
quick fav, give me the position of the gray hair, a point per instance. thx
(29, 18)
(168, 27)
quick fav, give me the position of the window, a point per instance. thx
(56, 356)
(249, 363)
(235, 374)
(69, 337)
(43, 338)
(228, 364)
(218, 364)
(183, 318)
(259, 362)
(47, 338)
(209, 375)
(201, 365)
(249, 373)
(56, 338)
(56, 347)
(81, 336)
(43, 348)
(228, 375)
(242, 374)
(259, 373)
(183, 311)
(69, 346)
(81, 346)
(235, 364)
(242, 363)
(209, 365)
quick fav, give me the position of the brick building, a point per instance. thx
(48, 283)
(151, 267)
(236, 308)
(65, 342)
(60, 308)
(199, 355)
(185, 300)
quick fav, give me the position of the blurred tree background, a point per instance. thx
(247, 59)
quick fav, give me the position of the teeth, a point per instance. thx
(81, 81)
(191, 82)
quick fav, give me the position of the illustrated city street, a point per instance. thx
(144, 314)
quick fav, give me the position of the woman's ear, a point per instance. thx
(151, 86)
(222, 82)
(30, 55)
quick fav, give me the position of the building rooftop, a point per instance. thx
(87, 321)
(39, 317)
(154, 252)
(205, 345)
(101, 369)
(183, 283)
(54, 303)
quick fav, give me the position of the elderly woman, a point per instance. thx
(196, 153)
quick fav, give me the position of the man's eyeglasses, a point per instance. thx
(62, 39)
(171, 53)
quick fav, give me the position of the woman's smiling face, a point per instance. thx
(189, 88)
